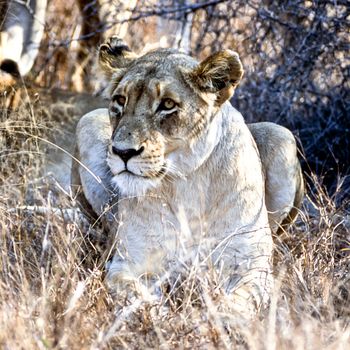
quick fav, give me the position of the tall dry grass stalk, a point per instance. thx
(52, 291)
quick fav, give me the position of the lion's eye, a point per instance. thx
(167, 105)
(119, 99)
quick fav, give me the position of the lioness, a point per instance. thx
(186, 171)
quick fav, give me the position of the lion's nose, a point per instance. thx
(126, 154)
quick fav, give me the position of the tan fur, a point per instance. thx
(194, 189)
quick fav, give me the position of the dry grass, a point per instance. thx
(52, 291)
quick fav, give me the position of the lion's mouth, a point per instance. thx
(126, 171)
(157, 174)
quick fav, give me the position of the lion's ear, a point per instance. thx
(220, 73)
(114, 54)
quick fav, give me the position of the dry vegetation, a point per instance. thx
(52, 293)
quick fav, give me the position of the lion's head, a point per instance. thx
(162, 110)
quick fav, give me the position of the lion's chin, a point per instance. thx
(130, 185)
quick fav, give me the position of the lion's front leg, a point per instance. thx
(253, 290)
(248, 278)
(120, 279)
(125, 284)
(144, 242)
